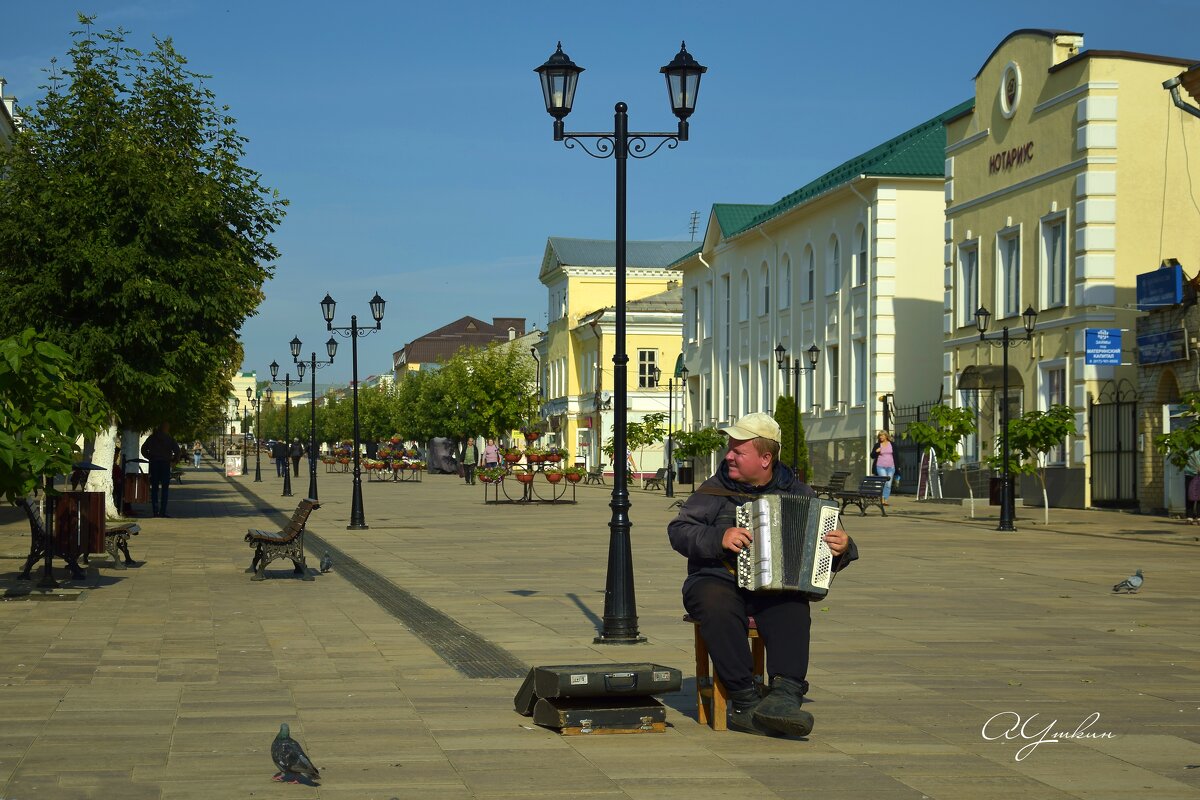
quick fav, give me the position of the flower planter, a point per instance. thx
(532, 436)
(512, 458)
(554, 477)
(525, 477)
(574, 478)
(534, 458)
(554, 458)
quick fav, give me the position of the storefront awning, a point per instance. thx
(989, 376)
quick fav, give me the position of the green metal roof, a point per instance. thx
(918, 152)
(602, 252)
(735, 216)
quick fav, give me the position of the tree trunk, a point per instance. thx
(1045, 498)
(101, 480)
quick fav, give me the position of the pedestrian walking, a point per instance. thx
(162, 452)
(197, 452)
(279, 452)
(491, 454)
(883, 456)
(470, 460)
(296, 451)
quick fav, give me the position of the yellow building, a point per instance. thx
(575, 357)
(1057, 195)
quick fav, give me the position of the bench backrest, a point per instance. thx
(837, 481)
(299, 519)
(872, 485)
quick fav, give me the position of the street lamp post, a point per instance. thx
(559, 77)
(793, 386)
(537, 383)
(231, 418)
(313, 366)
(328, 307)
(245, 426)
(287, 382)
(683, 376)
(1029, 319)
(251, 399)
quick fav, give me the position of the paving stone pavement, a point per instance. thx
(169, 680)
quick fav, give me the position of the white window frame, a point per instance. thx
(861, 259)
(1045, 400)
(764, 294)
(709, 309)
(833, 383)
(1008, 273)
(858, 354)
(969, 399)
(744, 387)
(833, 266)
(647, 361)
(967, 284)
(744, 297)
(785, 284)
(1046, 268)
(810, 273)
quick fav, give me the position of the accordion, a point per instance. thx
(788, 551)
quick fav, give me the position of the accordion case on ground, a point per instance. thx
(788, 550)
(597, 698)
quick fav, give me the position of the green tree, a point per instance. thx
(44, 410)
(943, 434)
(1179, 446)
(692, 445)
(1031, 438)
(639, 435)
(133, 235)
(787, 414)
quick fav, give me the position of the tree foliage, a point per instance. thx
(639, 435)
(1182, 445)
(945, 431)
(787, 414)
(44, 410)
(132, 234)
(1031, 437)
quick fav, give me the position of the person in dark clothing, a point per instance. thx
(470, 460)
(296, 451)
(162, 452)
(705, 531)
(279, 452)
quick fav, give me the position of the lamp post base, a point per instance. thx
(635, 639)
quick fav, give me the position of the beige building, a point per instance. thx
(575, 357)
(848, 263)
(8, 115)
(1056, 196)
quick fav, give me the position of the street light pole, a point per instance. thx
(328, 308)
(287, 422)
(257, 403)
(792, 379)
(314, 365)
(559, 77)
(1029, 318)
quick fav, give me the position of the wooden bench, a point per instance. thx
(712, 698)
(287, 543)
(40, 542)
(177, 474)
(870, 493)
(595, 475)
(656, 480)
(116, 543)
(837, 483)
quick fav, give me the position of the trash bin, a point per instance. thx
(995, 489)
(233, 464)
(685, 475)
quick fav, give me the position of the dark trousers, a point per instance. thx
(280, 466)
(160, 478)
(296, 465)
(782, 619)
(469, 473)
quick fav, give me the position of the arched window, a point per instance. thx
(833, 266)
(860, 258)
(764, 276)
(810, 273)
(785, 283)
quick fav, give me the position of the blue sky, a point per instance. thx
(412, 141)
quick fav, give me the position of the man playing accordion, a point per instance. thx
(706, 533)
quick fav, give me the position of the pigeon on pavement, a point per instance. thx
(326, 562)
(289, 757)
(1130, 585)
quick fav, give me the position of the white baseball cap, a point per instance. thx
(754, 426)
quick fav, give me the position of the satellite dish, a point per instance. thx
(605, 397)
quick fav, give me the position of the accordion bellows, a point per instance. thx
(788, 551)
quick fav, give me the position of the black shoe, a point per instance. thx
(780, 710)
(742, 705)
(164, 514)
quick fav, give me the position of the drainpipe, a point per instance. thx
(868, 434)
(1172, 86)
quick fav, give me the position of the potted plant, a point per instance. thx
(491, 474)
(691, 445)
(534, 454)
(555, 454)
(416, 466)
(524, 477)
(553, 474)
(574, 474)
(511, 454)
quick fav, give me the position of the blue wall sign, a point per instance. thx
(1162, 288)
(1159, 348)
(1102, 346)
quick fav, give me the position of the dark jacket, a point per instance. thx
(159, 446)
(697, 530)
(297, 450)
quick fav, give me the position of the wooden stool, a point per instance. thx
(712, 698)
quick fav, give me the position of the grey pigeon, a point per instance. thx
(289, 757)
(326, 562)
(1130, 585)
